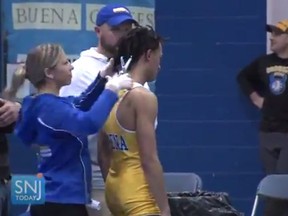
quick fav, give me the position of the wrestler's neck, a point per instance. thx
(138, 74)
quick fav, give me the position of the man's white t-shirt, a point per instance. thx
(85, 71)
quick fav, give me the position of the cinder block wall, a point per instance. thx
(205, 124)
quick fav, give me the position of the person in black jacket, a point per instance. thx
(9, 110)
(4, 171)
(265, 82)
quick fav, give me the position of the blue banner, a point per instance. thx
(69, 23)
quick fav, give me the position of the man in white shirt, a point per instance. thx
(112, 22)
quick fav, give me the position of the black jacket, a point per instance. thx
(4, 161)
(268, 76)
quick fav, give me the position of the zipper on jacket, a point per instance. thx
(80, 156)
(84, 170)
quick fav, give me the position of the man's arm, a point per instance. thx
(104, 152)
(146, 107)
(9, 112)
(246, 80)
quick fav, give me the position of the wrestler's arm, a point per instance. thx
(146, 108)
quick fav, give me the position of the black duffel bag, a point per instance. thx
(201, 204)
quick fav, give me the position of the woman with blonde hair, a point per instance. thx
(10, 92)
(60, 126)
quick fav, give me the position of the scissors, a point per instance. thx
(124, 66)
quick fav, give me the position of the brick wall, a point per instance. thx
(205, 124)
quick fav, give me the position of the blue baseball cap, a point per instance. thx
(114, 15)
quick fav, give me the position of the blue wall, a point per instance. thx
(205, 124)
(1, 47)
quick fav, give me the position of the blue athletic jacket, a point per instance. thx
(60, 126)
